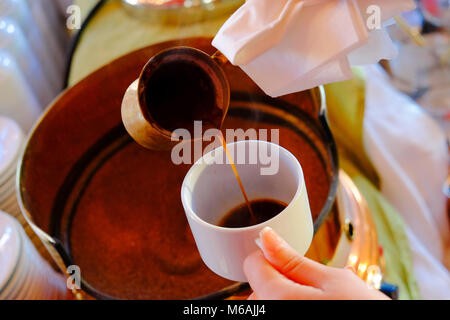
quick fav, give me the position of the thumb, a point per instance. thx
(288, 262)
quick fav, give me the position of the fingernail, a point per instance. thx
(269, 235)
(270, 240)
(259, 243)
(266, 230)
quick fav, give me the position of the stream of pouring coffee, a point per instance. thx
(238, 178)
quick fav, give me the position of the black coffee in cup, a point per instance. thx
(263, 210)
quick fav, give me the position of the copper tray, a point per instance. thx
(100, 201)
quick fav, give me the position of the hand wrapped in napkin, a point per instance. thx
(287, 46)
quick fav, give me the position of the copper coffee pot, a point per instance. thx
(177, 86)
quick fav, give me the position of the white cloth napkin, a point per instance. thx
(287, 46)
(409, 151)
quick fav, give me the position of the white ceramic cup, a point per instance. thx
(210, 191)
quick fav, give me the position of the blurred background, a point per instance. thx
(47, 46)
(35, 53)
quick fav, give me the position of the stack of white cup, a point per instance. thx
(13, 40)
(11, 143)
(41, 32)
(17, 100)
(24, 274)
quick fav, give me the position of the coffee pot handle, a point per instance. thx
(220, 58)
